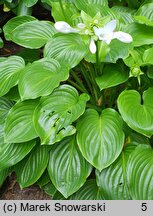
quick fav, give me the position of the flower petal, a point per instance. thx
(99, 32)
(122, 36)
(110, 26)
(81, 25)
(92, 46)
(64, 27)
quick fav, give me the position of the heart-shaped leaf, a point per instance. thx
(9, 73)
(13, 23)
(69, 49)
(19, 123)
(55, 113)
(33, 34)
(100, 137)
(137, 115)
(33, 167)
(113, 180)
(140, 173)
(67, 167)
(45, 75)
(112, 75)
(11, 154)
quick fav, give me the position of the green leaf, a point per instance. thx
(11, 154)
(15, 22)
(100, 137)
(125, 14)
(112, 181)
(112, 75)
(19, 123)
(82, 4)
(33, 167)
(9, 73)
(1, 43)
(44, 179)
(150, 72)
(34, 34)
(139, 173)
(118, 50)
(67, 167)
(89, 191)
(54, 114)
(3, 174)
(45, 75)
(148, 56)
(137, 115)
(5, 106)
(30, 3)
(145, 13)
(49, 189)
(69, 49)
(67, 13)
(141, 34)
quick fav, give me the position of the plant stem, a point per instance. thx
(78, 81)
(94, 107)
(76, 85)
(87, 78)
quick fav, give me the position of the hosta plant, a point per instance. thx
(78, 121)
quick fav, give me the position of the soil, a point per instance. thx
(11, 191)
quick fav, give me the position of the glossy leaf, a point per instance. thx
(68, 48)
(100, 137)
(144, 14)
(139, 173)
(15, 22)
(45, 75)
(3, 175)
(30, 3)
(112, 75)
(112, 181)
(148, 56)
(67, 13)
(82, 4)
(9, 73)
(125, 14)
(118, 50)
(11, 154)
(54, 114)
(141, 34)
(33, 167)
(49, 189)
(89, 191)
(19, 123)
(5, 106)
(34, 34)
(137, 114)
(67, 167)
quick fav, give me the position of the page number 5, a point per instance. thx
(144, 207)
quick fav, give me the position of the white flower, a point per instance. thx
(64, 27)
(92, 46)
(107, 33)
